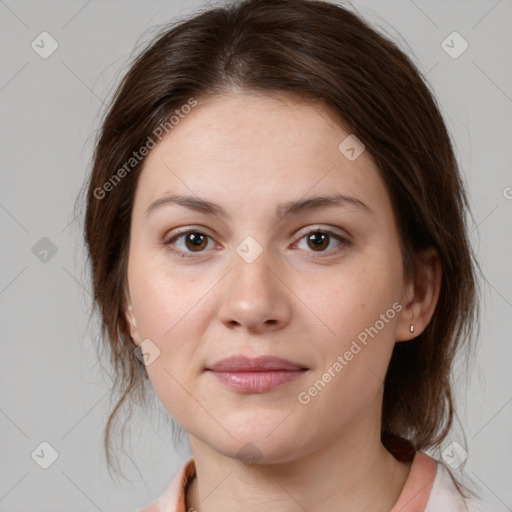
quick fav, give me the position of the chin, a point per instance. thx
(256, 447)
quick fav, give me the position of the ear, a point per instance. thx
(131, 321)
(419, 298)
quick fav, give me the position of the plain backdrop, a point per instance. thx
(52, 390)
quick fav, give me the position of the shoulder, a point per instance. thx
(173, 499)
(444, 496)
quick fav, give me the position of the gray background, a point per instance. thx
(51, 386)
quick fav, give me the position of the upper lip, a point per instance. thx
(254, 364)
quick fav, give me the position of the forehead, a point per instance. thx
(243, 123)
(257, 147)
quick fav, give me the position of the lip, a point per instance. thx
(254, 364)
(255, 375)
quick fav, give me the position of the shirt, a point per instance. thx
(428, 488)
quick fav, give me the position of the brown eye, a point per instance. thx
(195, 241)
(318, 240)
(188, 242)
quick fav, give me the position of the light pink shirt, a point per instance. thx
(429, 488)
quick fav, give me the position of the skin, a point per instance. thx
(248, 153)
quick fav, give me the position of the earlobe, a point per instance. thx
(406, 327)
(132, 323)
(409, 325)
(129, 314)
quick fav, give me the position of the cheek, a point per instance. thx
(165, 305)
(156, 308)
(168, 306)
(358, 309)
(161, 296)
(351, 297)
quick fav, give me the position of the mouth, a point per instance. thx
(255, 375)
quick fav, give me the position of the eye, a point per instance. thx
(320, 239)
(192, 240)
(187, 243)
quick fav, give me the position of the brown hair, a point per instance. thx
(317, 52)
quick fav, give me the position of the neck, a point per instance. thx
(352, 473)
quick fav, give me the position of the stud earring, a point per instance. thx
(411, 328)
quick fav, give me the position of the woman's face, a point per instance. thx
(261, 279)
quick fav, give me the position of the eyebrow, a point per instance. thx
(290, 208)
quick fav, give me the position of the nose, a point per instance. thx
(254, 296)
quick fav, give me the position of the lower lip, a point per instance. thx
(257, 382)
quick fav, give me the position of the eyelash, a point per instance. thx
(343, 242)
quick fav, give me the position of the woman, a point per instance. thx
(276, 229)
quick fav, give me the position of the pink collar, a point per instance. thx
(413, 498)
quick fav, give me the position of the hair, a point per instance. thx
(319, 53)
